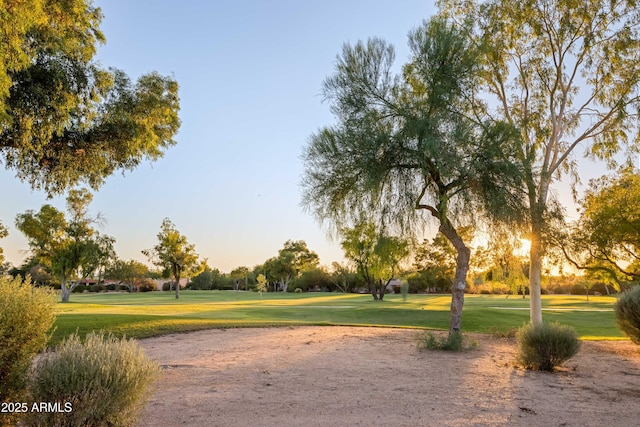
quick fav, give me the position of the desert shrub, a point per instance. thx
(544, 346)
(26, 315)
(452, 342)
(627, 311)
(104, 382)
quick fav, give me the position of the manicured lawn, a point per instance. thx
(155, 313)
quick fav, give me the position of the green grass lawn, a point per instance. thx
(149, 314)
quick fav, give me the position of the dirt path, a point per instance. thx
(341, 376)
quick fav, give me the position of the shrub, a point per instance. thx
(298, 291)
(544, 346)
(104, 381)
(26, 315)
(627, 311)
(146, 285)
(98, 287)
(453, 342)
(167, 286)
(79, 289)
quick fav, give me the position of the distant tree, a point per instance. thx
(64, 119)
(566, 74)
(99, 253)
(375, 255)
(605, 241)
(262, 284)
(294, 258)
(174, 254)
(128, 273)
(62, 244)
(310, 279)
(240, 275)
(208, 278)
(343, 277)
(414, 143)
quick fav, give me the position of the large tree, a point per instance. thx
(62, 244)
(606, 239)
(566, 73)
(417, 142)
(64, 119)
(174, 254)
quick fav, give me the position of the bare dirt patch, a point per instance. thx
(342, 376)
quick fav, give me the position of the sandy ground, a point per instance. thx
(340, 376)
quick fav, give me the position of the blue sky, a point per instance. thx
(250, 76)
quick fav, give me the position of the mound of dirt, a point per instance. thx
(344, 376)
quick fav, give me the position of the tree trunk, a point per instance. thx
(177, 287)
(535, 270)
(66, 292)
(460, 278)
(373, 290)
(382, 289)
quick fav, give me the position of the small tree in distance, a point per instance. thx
(174, 254)
(262, 284)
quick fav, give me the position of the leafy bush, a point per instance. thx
(627, 311)
(453, 342)
(98, 287)
(103, 381)
(298, 291)
(146, 285)
(167, 286)
(26, 315)
(544, 346)
(79, 289)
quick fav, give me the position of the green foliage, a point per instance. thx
(376, 256)
(174, 254)
(627, 311)
(106, 380)
(65, 119)
(127, 272)
(542, 347)
(605, 240)
(454, 341)
(26, 317)
(64, 245)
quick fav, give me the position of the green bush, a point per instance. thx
(79, 289)
(98, 287)
(543, 347)
(26, 315)
(103, 382)
(627, 311)
(453, 342)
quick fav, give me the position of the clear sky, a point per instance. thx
(250, 76)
